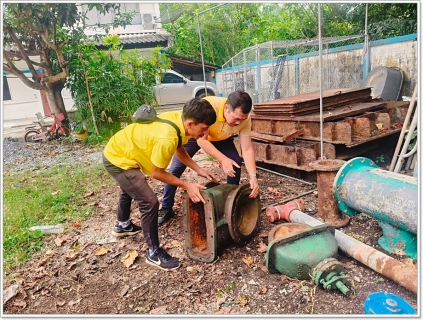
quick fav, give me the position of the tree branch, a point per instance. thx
(10, 67)
(21, 49)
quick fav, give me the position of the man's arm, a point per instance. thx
(250, 163)
(210, 149)
(193, 189)
(184, 157)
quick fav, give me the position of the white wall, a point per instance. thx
(25, 101)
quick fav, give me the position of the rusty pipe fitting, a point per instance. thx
(281, 212)
(328, 210)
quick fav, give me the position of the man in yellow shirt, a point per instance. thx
(232, 119)
(147, 149)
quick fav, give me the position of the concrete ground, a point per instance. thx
(15, 129)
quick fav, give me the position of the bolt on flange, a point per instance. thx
(330, 274)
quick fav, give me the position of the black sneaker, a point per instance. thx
(130, 230)
(165, 215)
(162, 259)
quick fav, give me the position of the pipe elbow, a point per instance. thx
(282, 212)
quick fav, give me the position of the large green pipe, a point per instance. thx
(391, 198)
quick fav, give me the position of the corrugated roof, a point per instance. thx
(141, 37)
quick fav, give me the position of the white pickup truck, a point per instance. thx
(175, 88)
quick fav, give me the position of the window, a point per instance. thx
(131, 7)
(6, 91)
(172, 78)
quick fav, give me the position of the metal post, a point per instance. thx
(258, 74)
(245, 71)
(366, 62)
(202, 56)
(320, 84)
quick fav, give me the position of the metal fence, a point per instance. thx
(279, 69)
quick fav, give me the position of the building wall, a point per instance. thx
(25, 102)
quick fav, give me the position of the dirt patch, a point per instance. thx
(82, 271)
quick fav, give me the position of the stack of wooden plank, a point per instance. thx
(309, 103)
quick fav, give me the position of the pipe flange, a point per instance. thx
(242, 214)
(330, 274)
(286, 229)
(352, 164)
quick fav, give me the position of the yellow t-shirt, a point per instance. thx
(141, 145)
(220, 130)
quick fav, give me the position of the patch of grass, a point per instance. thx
(51, 197)
(226, 290)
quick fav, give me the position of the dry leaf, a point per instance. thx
(19, 303)
(263, 290)
(159, 310)
(54, 193)
(10, 293)
(274, 191)
(93, 204)
(173, 244)
(97, 228)
(129, 258)
(226, 311)
(58, 242)
(90, 194)
(60, 303)
(73, 302)
(248, 261)
(285, 277)
(262, 247)
(241, 300)
(43, 262)
(101, 251)
(124, 291)
(121, 244)
(263, 268)
(76, 224)
(72, 255)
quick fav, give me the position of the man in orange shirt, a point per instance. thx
(232, 119)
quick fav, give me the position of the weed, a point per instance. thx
(225, 290)
(56, 196)
(380, 160)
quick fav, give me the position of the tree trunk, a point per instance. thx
(55, 100)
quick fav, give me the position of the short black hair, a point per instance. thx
(199, 110)
(240, 99)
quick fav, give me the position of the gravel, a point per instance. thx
(22, 156)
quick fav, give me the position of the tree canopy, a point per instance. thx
(229, 28)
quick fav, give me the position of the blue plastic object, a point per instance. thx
(386, 303)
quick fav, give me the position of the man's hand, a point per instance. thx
(207, 174)
(228, 167)
(254, 187)
(193, 190)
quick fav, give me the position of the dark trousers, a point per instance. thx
(227, 147)
(134, 185)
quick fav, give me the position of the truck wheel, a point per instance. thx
(202, 94)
